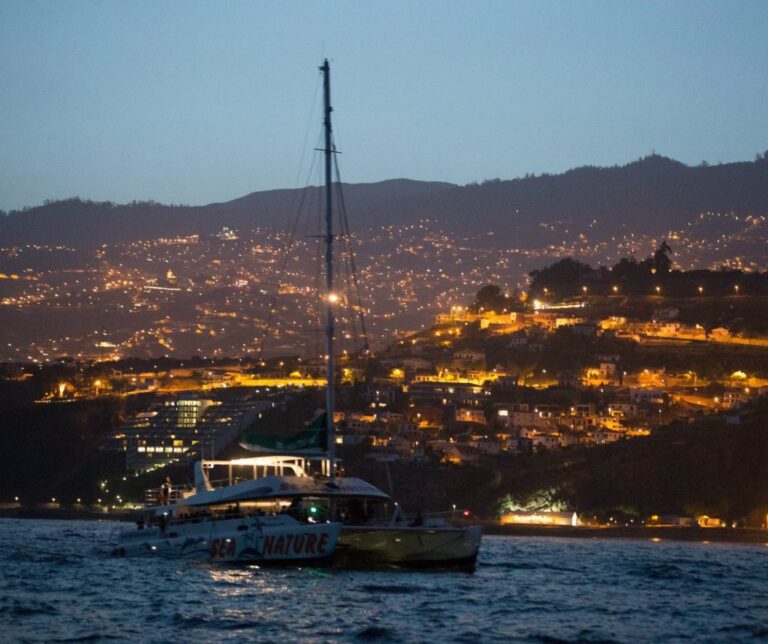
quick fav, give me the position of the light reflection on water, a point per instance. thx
(57, 581)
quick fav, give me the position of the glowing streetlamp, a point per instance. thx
(584, 290)
(701, 290)
(615, 290)
(658, 290)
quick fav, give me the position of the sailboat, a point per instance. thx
(289, 504)
(374, 532)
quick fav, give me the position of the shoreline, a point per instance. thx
(71, 514)
(689, 534)
(700, 535)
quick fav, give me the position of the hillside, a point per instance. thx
(653, 194)
(708, 467)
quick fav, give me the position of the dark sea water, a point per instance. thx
(58, 583)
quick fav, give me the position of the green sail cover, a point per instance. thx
(314, 439)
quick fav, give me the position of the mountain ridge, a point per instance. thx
(655, 192)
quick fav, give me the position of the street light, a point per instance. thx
(701, 290)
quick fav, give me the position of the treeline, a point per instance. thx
(705, 468)
(653, 275)
(52, 451)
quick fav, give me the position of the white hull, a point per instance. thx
(409, 547)
(262, 539)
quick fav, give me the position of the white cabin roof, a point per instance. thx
(269, 487)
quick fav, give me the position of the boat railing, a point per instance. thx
(457, 517)
(217, 484)
(260, 466)
(196, 516)
(165, 495)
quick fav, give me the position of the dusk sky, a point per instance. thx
(196, 102)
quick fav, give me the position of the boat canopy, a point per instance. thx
(312, 440)
(281, 487)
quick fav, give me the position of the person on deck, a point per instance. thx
(166, 489)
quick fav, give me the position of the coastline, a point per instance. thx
(70, 514)
(701, 535)
(490, 528)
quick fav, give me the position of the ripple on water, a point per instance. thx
(375, 634)
(391, 589)
(64, 587)
(91, 637)
(27, 609)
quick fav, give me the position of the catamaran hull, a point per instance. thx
(409, 548)
(235, 541)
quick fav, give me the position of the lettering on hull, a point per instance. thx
(281, 546)
(221, 548)
(290, 545)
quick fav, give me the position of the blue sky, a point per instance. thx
(196, 102)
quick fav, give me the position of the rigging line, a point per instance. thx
(343, 209)
(284, 261)
(310, 120)
(300, 197)
(343, 271)
(348, 284)
(348, 257)
(317, 311)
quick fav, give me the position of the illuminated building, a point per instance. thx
(540, 517)
(187, 427)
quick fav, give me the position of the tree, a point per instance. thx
(564, 278)
(627, 269)
(491, 298)
(661, 261)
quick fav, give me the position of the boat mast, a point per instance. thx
(330, 297)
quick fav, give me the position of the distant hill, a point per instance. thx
(653, 194)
